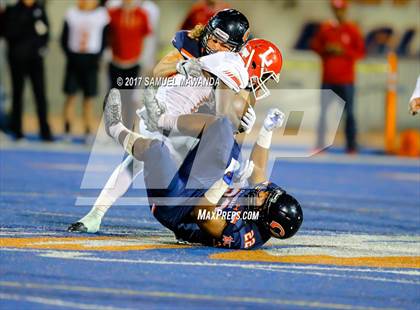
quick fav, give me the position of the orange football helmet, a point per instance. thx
(264, 61)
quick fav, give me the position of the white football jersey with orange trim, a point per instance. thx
(183, 98)
(229, 67)
(178, 99)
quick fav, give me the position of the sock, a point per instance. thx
(116, 186)
(93, 219)
(168, 122)
(216, 191)
(116, 129)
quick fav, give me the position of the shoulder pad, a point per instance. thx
(228, 67)
(189, 48)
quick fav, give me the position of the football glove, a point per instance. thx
(189, 68)
(274, 119)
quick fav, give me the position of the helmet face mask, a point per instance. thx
(258, 85)
(282, 215)
(226, 47)
(263, 61)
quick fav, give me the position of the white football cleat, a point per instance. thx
(153, 108)
(112, 109)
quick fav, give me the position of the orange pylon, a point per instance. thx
(391, 104)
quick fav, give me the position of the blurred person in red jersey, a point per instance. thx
(340, 44)
(128, 28)
(148, 55)
(26, 29)
(201, 12)
(83, 41)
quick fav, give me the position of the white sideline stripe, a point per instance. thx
(401, 176)
(17, 233)
(234, 299)
(33, 194)
(361, 160)
(88, 201)
(306, 269)
(122, 201)
(56, 302)
(112, 150)
(112, 219)
(254, 267)
(364, 198)
(134, 233)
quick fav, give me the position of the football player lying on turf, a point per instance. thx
(259, 62)
(182, 199)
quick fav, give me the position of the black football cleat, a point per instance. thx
(77, 227)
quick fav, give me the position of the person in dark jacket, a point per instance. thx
(26, 30)
(3, 117)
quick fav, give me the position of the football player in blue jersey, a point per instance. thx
(188, 200)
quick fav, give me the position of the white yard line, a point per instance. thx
(184, 296)
(88, 256)
(56, 302)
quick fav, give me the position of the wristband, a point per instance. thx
(168, 122)
(216, 191)
(264, 138)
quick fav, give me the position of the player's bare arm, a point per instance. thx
(259, 157)
(259, 154)
(215, 226)
(167, 65)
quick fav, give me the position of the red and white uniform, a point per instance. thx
(86, 30)
(339, 69)
(227, 66)
(128, 28)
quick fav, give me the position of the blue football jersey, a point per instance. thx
(241, 232)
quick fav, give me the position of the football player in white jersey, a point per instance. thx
(171, 109)
(258, 62)
(189, 93)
